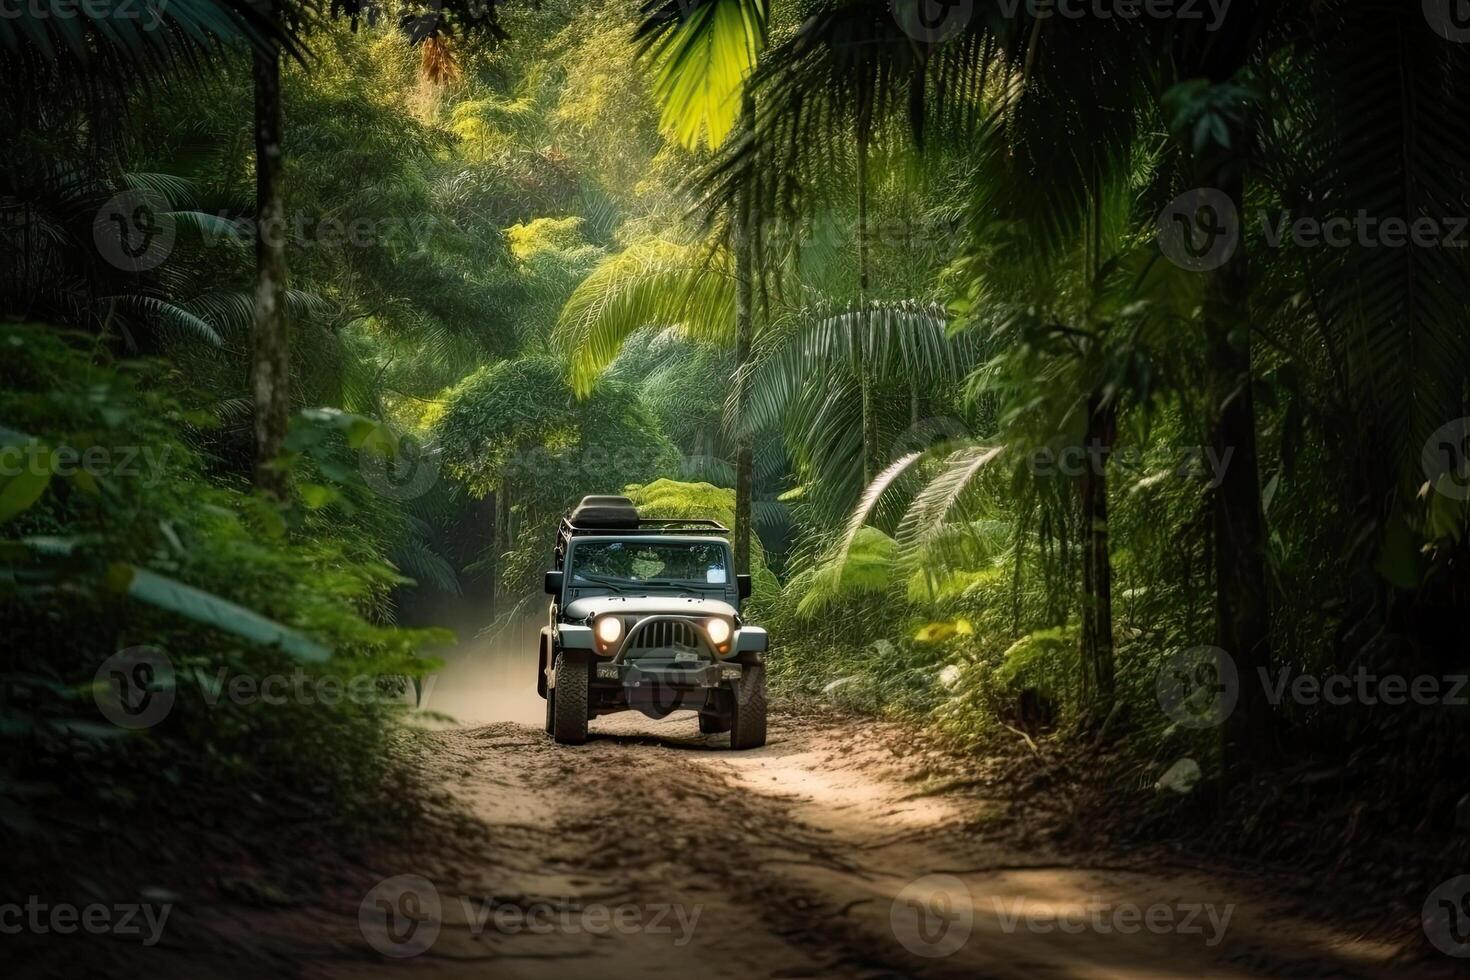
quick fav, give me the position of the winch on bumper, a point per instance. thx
(669, 675)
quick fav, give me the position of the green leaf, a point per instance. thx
(211, 610)
(702, 67)
(26, 487)
(316, 496)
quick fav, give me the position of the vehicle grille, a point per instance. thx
(664, 634)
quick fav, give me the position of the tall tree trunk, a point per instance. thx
(502, 540)
(493, 569)
(269, 361)
(1097, 569)
(743, 230)
(864, 368)
(1242, 624)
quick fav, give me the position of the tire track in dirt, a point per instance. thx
(844, 849)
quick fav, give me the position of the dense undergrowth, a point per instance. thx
(265, 684)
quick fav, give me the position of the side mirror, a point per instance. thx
(554, 582)
(743, 585)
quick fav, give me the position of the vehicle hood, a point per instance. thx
(646, 605)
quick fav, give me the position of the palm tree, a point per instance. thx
(704, 52)
(1020, 80)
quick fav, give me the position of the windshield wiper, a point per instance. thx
(683, 583)
(615, 584)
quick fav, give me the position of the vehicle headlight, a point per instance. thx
(719, 631)
(609, 629)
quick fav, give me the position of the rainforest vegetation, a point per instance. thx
(1050, 371)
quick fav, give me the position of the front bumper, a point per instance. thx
(640, 674)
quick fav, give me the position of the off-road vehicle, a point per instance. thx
(645, 616)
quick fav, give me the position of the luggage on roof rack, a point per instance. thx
(604, 512)
(611, 515)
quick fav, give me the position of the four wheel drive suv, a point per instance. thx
(645, 616)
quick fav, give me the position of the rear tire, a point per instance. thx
(748, 723)
(568, 701)
(551, 712)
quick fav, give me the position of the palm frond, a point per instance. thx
(703, 51)
(934, 507)
(658, 283)
(902, 340)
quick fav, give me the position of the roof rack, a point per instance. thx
(679, 526)
(619, 523)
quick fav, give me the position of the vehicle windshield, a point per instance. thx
(606, 562)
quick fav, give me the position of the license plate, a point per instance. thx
(685, 656)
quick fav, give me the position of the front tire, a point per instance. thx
(567, 701)
(748, 723)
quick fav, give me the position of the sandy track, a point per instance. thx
(653, 851)
(817, 856)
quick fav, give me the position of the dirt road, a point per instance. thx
(654, 852)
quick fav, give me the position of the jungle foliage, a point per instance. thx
(900, 298)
